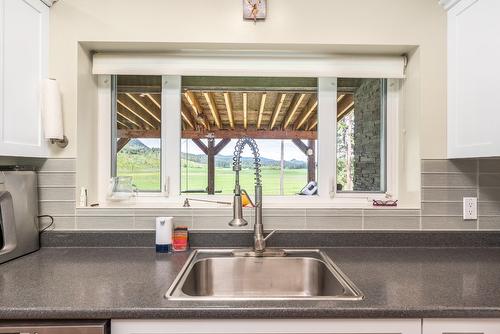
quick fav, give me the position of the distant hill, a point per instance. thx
(135, 146)
(226, 161)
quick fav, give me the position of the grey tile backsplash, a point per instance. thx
(444, 183)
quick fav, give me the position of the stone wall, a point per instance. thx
(367, 117)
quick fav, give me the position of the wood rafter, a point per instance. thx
(122, 124)
(135, 113)
(277, 111)
(213, 109)
(229, 108)
(340, 97)
(345, 106)
(128, 119)
(140, 104)
(226, 134)
(153, 100)
(261, 110)
(187, 117)
(313, 125)
(245, 110)
(195, 105)
(297, 100)
(308, 111)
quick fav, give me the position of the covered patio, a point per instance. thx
(219, 109)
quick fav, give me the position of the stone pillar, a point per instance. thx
(367, 133)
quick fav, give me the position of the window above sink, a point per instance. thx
(332, 139)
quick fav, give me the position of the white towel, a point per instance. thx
(52, 116)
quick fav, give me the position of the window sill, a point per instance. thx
(341, 201)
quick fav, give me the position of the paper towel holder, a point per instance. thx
(62, 143)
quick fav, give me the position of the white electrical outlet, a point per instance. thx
(470, 208)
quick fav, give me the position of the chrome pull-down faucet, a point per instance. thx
(259, 241)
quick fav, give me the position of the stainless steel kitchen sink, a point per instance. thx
(303, 274)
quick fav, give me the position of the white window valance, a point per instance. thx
(250, 64)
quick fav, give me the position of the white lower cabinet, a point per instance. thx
(260, 326)
(461, 326)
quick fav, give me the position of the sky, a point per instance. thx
(268, 148)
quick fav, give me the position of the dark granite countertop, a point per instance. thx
(111, 283)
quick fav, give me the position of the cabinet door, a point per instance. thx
(461, 326)
(268, 326)
(473, 79)
(23, 65)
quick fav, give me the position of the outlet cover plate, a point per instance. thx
(470, 208)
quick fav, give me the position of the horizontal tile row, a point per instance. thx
(58, 165)
(444, 184)
(483, 165)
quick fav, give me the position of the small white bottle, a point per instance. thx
(164, 227)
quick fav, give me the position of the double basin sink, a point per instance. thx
(222, 274)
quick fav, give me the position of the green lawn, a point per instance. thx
(294, 180)
(195, 178)
(144, 168)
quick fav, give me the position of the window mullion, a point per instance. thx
(170, 135)
(327, 139)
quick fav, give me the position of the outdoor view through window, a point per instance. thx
(279, 113)
(137, 119)
(361, 135)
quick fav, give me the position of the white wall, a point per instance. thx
(349, 22)
(381, 26)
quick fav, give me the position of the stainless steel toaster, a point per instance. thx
(19, 227)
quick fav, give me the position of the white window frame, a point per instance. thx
(326, 155)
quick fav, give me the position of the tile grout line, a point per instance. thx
(362, 219)
(477, 194)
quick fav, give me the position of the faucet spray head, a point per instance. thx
(238, 220)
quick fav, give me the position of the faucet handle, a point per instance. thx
(269, 235)
(244, 192)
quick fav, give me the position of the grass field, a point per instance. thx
(195, 178)
(294, 180)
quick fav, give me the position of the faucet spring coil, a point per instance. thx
(238, 149)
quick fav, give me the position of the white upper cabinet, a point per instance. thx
(473, 78)
(23, 66)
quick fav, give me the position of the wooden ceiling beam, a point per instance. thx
(140, 104)
(345, 106)
(229, 108)
(252, 133)
(195, 105)
(245, 110)
(200, 145)
(213, 109)
(136, 114)
(308, 111)
(220, 145)
(120, 143)
(340, 97)
(226, 134)
(297, 100)
(261, 110)
(277, 110)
